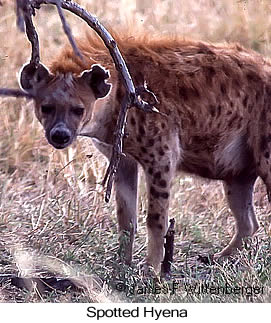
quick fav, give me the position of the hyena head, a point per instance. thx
(64, 102)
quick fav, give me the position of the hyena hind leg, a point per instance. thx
(239, 192)
(158, 186)
(126, 198)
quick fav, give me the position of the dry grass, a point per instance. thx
(52, 214)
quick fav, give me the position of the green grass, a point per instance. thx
(53, 218)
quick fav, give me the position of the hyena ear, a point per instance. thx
(96, 79)
(32, 76)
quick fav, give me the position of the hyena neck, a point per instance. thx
(102, 123)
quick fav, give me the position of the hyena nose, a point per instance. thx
(60, 136)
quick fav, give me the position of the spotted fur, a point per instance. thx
(216, 99)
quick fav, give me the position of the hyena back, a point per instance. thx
(215, 122)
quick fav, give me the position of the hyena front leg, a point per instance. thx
(239, 192)
(158, 186)
(126, 198)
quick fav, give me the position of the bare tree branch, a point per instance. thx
(116, 151)
(32, 37)
(26, 8)
(67, 29)
(16, 93)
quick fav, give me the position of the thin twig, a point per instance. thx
(67, 30)
(19, 15)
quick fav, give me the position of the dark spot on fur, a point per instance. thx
(164, 195)
(229, 192)
(163, 125)
(268, 138)
(150, 171)
(142, 130)
(157, 175)
(150, 142)
(267, 155)
(159, 138)
(145, 161)
(159, 226)
(163, 183)
(138, 139)
(154, 193)
(166, 147)
(154, 216)
(152, 155)
(120, 210)
(161, 152)
(197, 140)
(253, 77)
(166, 168)
(133, 122)
(143, 149)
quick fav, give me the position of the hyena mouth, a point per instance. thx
(60, 146)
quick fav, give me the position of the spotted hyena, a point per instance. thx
(216, 99)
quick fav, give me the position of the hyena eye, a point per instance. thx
(47, 109)
(78, 111)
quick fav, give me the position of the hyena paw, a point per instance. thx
(147, 270)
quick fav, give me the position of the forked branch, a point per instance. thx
(26, 9)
